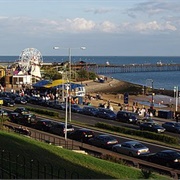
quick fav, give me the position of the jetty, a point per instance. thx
(113, 68)
(128, 68)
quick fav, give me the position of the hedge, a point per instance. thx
(146, 134)
(45, 112)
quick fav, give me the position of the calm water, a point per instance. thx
(166, 80)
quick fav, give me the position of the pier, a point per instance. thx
(112, 68)
(129, 68)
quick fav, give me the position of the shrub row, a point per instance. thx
(150, 135)
(45, 112)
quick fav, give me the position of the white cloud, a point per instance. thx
(3, 17)
(155, 26)
(80, 24)
(108, 26)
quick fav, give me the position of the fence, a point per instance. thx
(19, 167)
(16, 166)
(43, 136)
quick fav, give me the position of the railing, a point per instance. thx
(18, 167)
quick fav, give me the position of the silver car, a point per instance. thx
(131, 148)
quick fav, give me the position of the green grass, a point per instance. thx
(86, 166)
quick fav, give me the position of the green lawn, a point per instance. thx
(35, 155)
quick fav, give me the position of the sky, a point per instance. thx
(104, 27)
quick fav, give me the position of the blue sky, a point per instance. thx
(104, 27)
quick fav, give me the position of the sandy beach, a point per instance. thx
(108, 91)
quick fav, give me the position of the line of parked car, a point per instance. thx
(131, 148)
(148, 124)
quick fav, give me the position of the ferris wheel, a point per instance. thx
(29, 58)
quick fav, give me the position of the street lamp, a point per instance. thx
(68, 88)
(152, 93)
(176, 96)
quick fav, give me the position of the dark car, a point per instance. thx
(172, 127)
(24, 119)
(131, 148)
(106, 113)
(34, 100)
(13, 117)
(8, 101)
(14, 95)
(43, 125)
(59, 128)
(104, 141)
(20, 100)
(151, 126)
(75, 108)
(27, 119)
(127, 117)
(60, 106)
(144, 120)
(169, 158)
(21, 110)
(89, 110)
(82, 135)
(3, 112)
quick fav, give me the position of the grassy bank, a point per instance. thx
(84, 166)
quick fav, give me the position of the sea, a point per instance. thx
(161, 80)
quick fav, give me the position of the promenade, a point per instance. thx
(108, 89)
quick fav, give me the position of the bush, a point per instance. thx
(45, 112)
(150, 135)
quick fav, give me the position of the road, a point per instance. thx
(91, 121)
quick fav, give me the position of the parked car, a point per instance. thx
(20, 100)
(14, 95)
(21, 110)
(3, 112)
(75, 108)
(13, 116)
(104, 141)
(106, 113)
(82, 135)
(90, 110)
(172, 126)
(24, 119)
(151, 126)
(143, 120)
(169, 158)
(43, 125)
(59, 128)
(131, 148)
(127, 117)
(60, 106)
(8, 101)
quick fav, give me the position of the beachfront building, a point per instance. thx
(61, 89)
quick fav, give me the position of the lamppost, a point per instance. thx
(176, 96)
(68, 88)
(152, 93)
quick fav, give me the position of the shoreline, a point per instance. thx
(113, 90)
